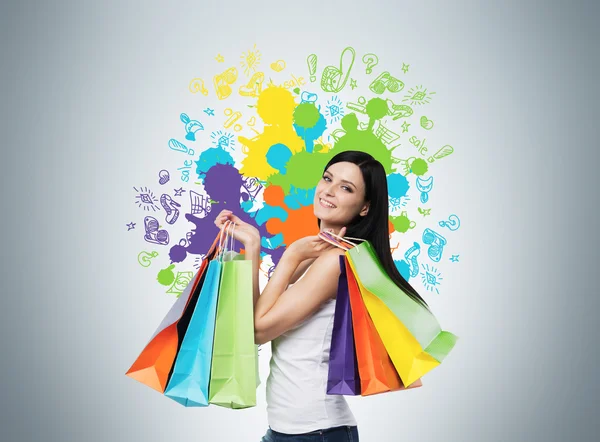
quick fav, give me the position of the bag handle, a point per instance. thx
(336, 240)
(228, 237)
(214, 248)
(223, 244)
(232, 242)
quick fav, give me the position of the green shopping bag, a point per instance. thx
(417, 318)
(234, 367)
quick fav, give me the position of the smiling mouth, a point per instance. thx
(326, 205)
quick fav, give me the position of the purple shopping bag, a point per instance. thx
(343, 375)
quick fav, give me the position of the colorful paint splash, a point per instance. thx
(262, 159)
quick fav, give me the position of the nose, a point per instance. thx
(329, 191)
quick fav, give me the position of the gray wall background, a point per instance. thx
(86, 90)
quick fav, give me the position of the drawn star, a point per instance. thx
(424, 212)
(220, 58)
(209, 111)
(454, 258)
(130, 226)
(405, 67)
(405, 126)
(353, 83)
(179, 191)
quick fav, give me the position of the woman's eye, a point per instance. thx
(343, 187)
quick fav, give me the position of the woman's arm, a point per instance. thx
(252, 252)
(277, 284)
(278, 309)
(301, 269)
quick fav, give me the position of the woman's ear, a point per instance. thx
(364, 210)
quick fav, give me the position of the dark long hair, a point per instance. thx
(374, 226)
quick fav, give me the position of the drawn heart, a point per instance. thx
(425, 123)
(278, 66)
(252, 121)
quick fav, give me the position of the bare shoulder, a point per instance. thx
(322, 277)
(329, 262)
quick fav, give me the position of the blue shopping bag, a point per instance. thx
(189, 381)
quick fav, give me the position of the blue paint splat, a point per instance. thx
(268, 212)
(277, 156)
(272, 242)
(298, 198)
(247, 206)
(211, 157)
(403, 268)
(397, 185)
(312, 133)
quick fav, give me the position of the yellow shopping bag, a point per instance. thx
(406, 353)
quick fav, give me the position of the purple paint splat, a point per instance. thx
(226, 187)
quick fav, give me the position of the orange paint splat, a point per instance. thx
(299, 223)
(273, 196)
(391, 226)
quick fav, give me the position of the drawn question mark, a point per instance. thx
(371, 60)
(197, 85)
(145, 257)
(453, 222)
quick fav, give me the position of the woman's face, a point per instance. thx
(342, 185)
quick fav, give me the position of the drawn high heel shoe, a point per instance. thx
(170, 207)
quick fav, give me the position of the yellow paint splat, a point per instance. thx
(276, 108)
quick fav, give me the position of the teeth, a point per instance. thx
(327, 204)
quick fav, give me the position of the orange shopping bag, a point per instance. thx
(376, 371)
(154, 364)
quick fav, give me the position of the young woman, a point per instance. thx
(295, 310)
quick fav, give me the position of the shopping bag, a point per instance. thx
(376, 370)
(188, 384)
(343, 375)
(154, 364)
(399, 320)
(233, 375)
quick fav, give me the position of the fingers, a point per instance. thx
(235, 219)
(223, 216)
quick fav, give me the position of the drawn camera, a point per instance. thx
(436, 244)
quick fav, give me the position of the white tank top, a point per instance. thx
(296, 390)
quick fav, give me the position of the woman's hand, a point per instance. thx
(311, 246)
(243, 232)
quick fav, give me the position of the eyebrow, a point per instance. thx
(344, 181)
